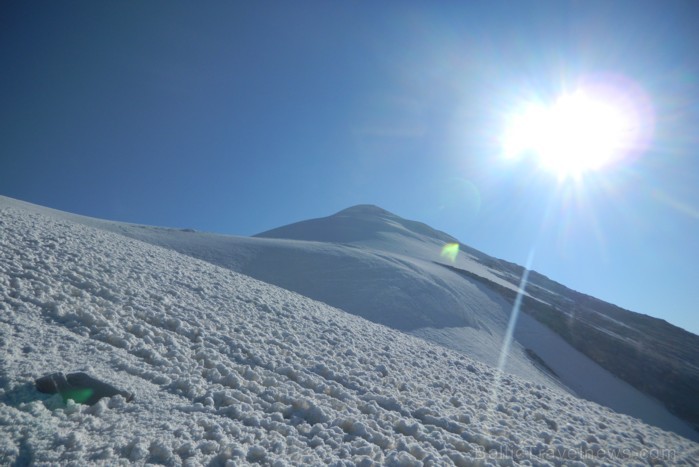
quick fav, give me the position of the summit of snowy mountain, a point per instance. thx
(364, 223)
(365, 210)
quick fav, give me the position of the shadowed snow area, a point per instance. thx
(225, 367)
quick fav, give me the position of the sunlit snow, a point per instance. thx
(224, 367)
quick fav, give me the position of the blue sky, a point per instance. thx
(237, 117)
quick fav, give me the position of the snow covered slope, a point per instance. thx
(228, 368)
(373, 227)
(405, 290)
(622, 359)
(387, 271)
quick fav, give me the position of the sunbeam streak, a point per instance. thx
(507, 342)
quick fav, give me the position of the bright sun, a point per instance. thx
(578, 133)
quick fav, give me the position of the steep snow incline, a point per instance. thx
(224, 367)
(375, 228)
(403, 292)
(398, 291)
(410, 293)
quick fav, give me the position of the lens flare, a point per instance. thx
(450, 251)
(79, 395)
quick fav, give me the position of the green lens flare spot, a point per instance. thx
(450, 251)
(80, 395)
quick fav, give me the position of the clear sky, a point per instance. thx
(240, 116)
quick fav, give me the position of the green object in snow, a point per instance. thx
(79, 395)
(80, 387)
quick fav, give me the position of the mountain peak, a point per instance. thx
(365, 210)
(360, 223)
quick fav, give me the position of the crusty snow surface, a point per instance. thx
(374, 264)
(230, 370)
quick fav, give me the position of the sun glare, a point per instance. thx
(579, 132)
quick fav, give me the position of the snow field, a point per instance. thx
(389, 275)
(229, 370)
(405, 293)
